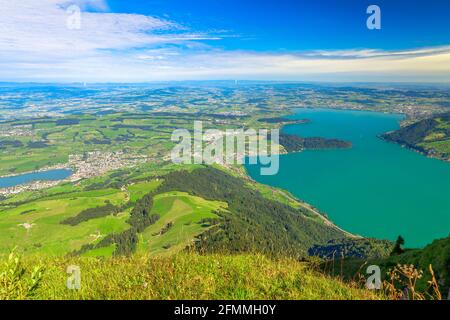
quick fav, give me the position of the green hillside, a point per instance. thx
(64, 223)
(251, 222)
(362, 248)
(436, 254)
(36, 226)
(430, 136)
(183, 217)
(162, 213)
(239, 219)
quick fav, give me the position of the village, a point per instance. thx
(87, 165)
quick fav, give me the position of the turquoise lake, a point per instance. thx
(376, 189)
(50, 175)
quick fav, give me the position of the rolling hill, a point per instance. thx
(429, 136)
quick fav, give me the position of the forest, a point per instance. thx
(294, 143)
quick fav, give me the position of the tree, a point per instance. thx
(398, 248)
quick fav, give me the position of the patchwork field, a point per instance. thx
(35, 226)
(49, 142)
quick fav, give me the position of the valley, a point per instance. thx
(125, 197)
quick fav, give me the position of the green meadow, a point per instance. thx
(35, 226)
(138, 190)
(185, 214)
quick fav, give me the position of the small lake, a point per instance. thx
(50, 175)
(376, 189)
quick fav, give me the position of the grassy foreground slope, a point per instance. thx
(182, 276)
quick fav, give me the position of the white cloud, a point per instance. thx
(41, 27)
(36, 45)
(372, 53)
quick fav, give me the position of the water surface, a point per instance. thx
(376, 189)
(50, 175)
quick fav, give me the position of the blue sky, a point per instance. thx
(306, 24)
(159, 40)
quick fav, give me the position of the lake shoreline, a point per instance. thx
(372, 179)
(37, 183)
(307, 206)
(414, 149)
(404, 115)
(49, 168)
